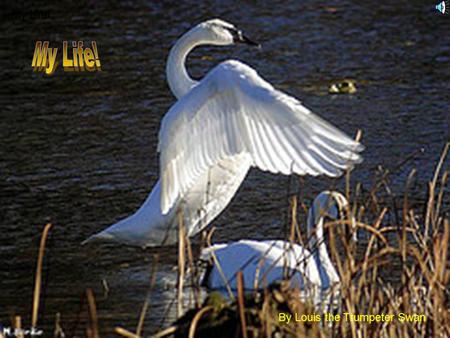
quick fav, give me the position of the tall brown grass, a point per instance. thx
(400, 266)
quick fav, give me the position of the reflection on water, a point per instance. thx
(80, 149)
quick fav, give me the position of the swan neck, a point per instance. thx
(319, 248)
(317, 242)
(315, 235)
(178, 78)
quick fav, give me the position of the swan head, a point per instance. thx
(331, 205)
(221, 33)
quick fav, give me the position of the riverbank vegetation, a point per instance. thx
(394, 280)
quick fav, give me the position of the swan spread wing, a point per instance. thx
(233, 110)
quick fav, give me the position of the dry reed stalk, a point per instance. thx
(240, 289)
(93, 329)
(345, 286)
(196, 319)
(166, 332)
(125, 333)
(260, 265)
(294, 223)
(405, 215)
(181, 264)
(284, 256)
(295, 236)
(218, 266)
(38, 278)
(432, 187)
(444, 182)
(18, 326)
(146, 304)
(440, 163)
(194, 274)
(362, 283)
(58, 332)
(265, 316)
(257, 272)
(358, 137)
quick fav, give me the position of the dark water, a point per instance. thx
(80, 148)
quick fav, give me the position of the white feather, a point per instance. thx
(233, 111)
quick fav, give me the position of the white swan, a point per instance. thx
(266, 261)
(219, 128)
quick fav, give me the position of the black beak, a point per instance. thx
(239, 37)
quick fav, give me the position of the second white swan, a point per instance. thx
(264, 262)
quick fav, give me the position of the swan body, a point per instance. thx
(232, 111)
(207, 198)
(263, 262)
(266, 261)
(220, 127)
